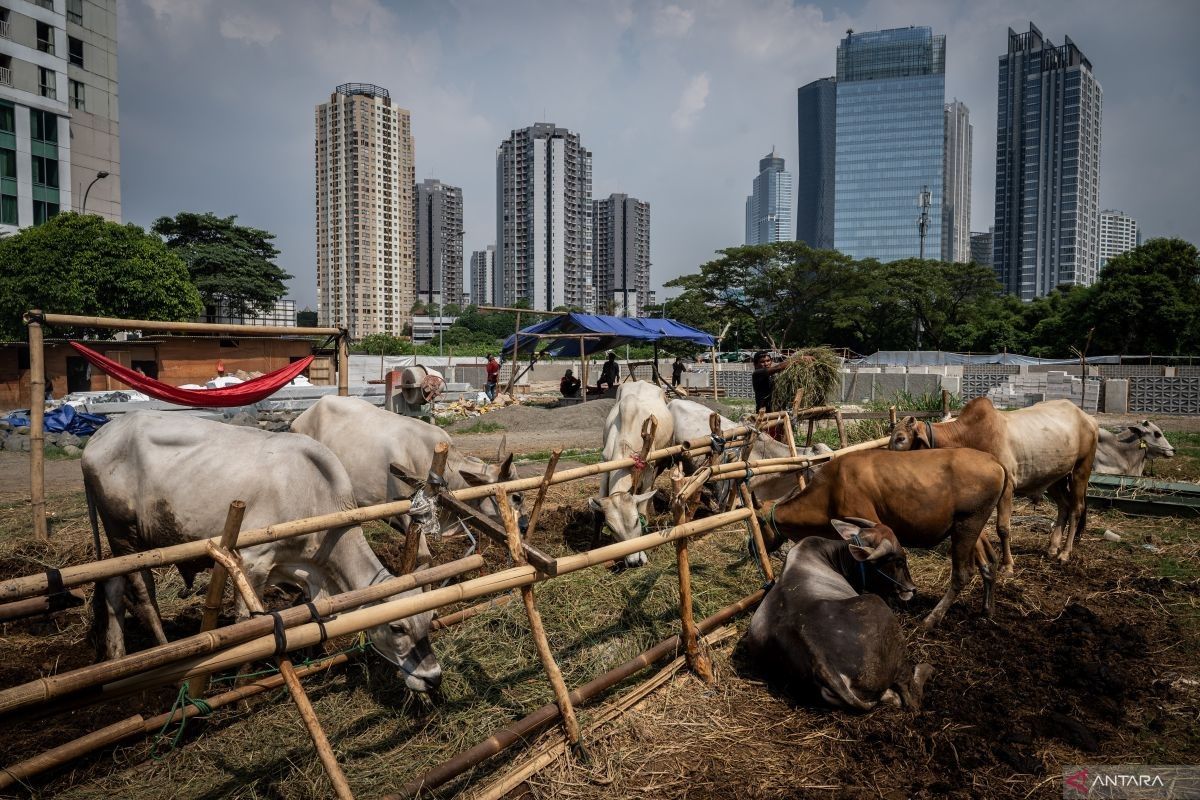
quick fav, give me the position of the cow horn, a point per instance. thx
(883, 549)
(860, 522)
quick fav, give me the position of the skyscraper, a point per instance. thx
(483, 265)
(981, 248)
(1047, 166)
(1118, 234)
(816, 111)
(439, 242)
(543, 218)
(956, 196)
(890, 142)
(621, 249)
(769, 206)
(58, 111)
(365, 214)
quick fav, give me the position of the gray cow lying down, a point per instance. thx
(158, 479)
(815, 629)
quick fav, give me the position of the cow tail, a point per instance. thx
(93, 519)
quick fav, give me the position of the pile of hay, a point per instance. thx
(816, 370)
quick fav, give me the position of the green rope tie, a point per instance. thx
(182, 701)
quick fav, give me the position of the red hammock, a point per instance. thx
(243, 394)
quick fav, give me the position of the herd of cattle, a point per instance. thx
(156, 479)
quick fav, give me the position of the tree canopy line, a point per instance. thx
(787, 294)
(783, 295)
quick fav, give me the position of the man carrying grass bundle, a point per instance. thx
(762, 379)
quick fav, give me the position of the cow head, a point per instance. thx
(909, 435)
(875, 545)
(622, 513)
(1149, 436)
(405, 644)
(487, 474)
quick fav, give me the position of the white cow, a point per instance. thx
(1127, 453)
(622, 504)
(159, 479)
(368, 440)
(691, 424)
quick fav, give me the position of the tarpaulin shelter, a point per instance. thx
(602, 332)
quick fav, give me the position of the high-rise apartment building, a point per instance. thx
(58, 110)
(483, 267)
(769, 206)
(365, 213)
(956, 196)
(1118, 234)
(816, 110)
(981, 248)
(621, 250)
(1047, 166)
(890, 142)
(543, 218)
(439, 235)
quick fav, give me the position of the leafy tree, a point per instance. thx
(384, 344)
(232, 265)
(306, 318)
(85, 265)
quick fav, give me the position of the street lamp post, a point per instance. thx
(99, 177)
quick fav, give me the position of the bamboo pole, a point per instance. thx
(697, 659)
(29, 585)
(946, 400)
(412, 536)
(537, 630)
(841, 428)
(536, 514)
(811, 427)
(343, 365)
(113, 323)
(716, 391)
(37, 435)
(401, 608)
(522, 729)
(296, 689)
(47, 604)
(512, 376)
(649, 429)
(471, 611)
(65, 683)
(216, 580)
(790, 435)
(760, 547)
(892, 418)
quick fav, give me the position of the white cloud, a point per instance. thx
(673, 22)
(691, 102)
(250, 29)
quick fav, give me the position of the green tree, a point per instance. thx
(85, 265)
(306, 318)
(383, 344)
(232, 266)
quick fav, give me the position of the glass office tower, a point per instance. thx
(816, 116)
(891, 92)
(769, 207)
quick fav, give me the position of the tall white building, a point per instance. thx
(543, 218)
(956, 190)
(365, 213)
(769, 206)
(621, 251)
(483, 267)
(58, 110)
(1118, 234)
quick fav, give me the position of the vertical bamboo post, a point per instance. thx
(649, 429)
(37, 407)
(562, 697)
(308, 715)
(945, 403)
(697, 659)
(892, 418)
(512, 375)
(216, 580)
(343, 366)
(536, 514)
(790, 435)
(841, 428)
(812, 423)
(714, 371)
(756, 532)
(412, 536)
(583, 370)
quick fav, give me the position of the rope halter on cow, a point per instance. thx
(929, 430)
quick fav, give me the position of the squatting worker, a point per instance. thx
(762, 381)
(676, 371)
(493, 377)
(569, 385)
(610, 373)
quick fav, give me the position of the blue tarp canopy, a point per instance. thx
(610, 332)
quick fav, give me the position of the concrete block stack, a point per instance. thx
(1022, 390)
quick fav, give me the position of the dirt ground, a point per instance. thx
(1097, 661)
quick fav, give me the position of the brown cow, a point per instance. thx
(1048, 447)
(923, 497)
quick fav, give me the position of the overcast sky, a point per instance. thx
(676, 101)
